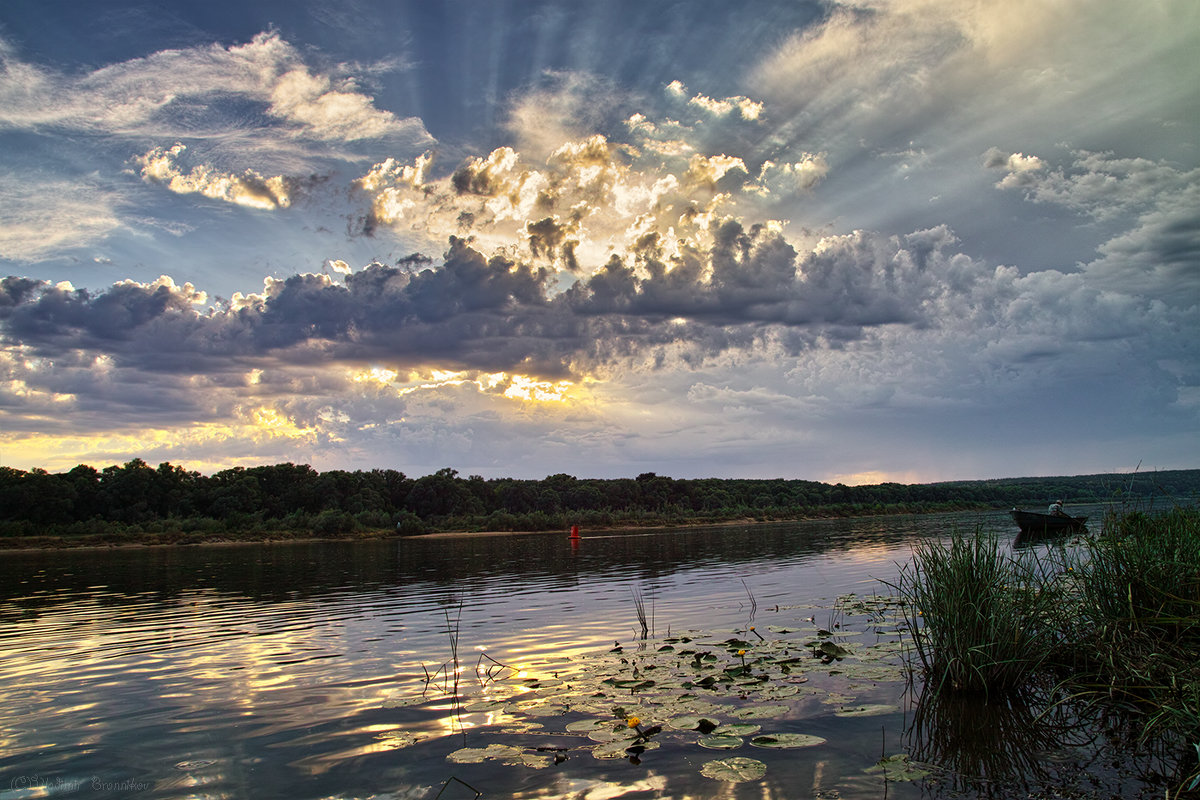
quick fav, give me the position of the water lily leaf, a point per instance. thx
(833, 650)
(899, 768)
(693, 723)
(534, 761)
(737, 729)
(542, 709)
(836, 699)
(734, 770)
(870, 710)
(587, 725)
(622, 734)
(493, 752)
(716, 742)
(485, 705)
(778, 692)
(402, 701)
(621, 749)
(758, 712)
(786, 741)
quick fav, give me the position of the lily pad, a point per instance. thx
(734, 770)
(702, 724)
(871, 710)
(542, 683)
(720, 742)
(758, 712)
(493, 752)
(620, 749)
(899, 768)
(604, 735)
(779, 692)
(786, 741)
(539, 709)
(833, 650)
(588, 725)
(485, 705)
(737, 729)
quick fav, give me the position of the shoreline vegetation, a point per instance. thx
(1112, 622)
(135, 504)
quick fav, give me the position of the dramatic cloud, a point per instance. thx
(891, 238)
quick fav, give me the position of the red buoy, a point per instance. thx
(574, 531)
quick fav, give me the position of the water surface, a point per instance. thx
(312, 670)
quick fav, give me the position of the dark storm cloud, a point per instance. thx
(498, 314)
(33, 310)
(756, 276)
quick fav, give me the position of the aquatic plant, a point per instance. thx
(1116, 617)
(664, 698)
(1135, 628)
(639, 605)
(980, 619)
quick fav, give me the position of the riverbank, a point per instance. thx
(143, 540)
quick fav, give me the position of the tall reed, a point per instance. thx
(980, 619)
(1136, 625)
(1116, 617)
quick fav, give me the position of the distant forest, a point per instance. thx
(292, 500)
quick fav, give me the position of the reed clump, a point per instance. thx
(1115, 618)
(1135, 598)
(980, 621)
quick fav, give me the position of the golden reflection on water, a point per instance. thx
(203, 687)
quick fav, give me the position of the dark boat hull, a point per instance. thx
(1034, 524)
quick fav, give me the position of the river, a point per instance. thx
(450, 665)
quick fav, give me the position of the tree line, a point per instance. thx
(136, 497)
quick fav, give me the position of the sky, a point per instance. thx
(860, 241)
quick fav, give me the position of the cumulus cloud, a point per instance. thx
(248, 189)
(1155, 254)
(753, 321)
(1100, 185)
(495, 314)
(585, 200)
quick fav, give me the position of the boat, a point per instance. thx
(1032, 523)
